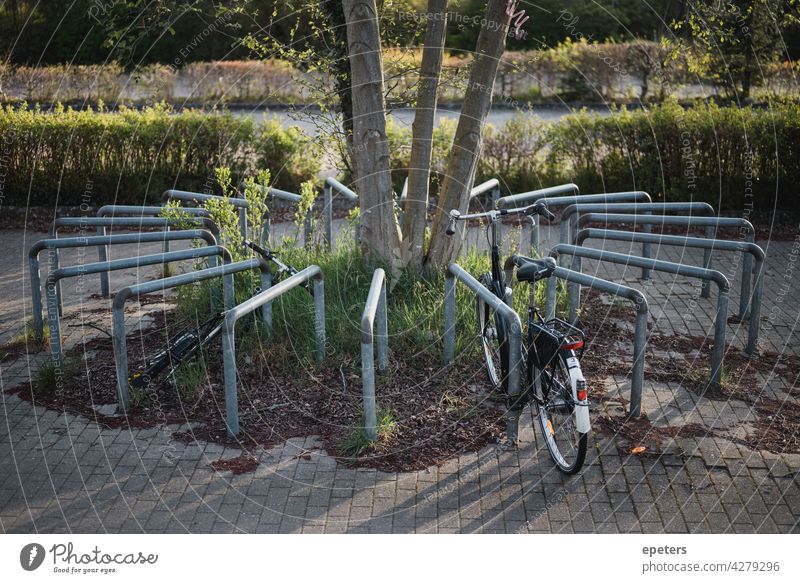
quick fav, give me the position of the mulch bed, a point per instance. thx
(441, 412)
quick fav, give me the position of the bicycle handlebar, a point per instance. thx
(539, 208)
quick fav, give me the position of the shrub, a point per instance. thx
(93, 157)
(734, 158)
(730, 157)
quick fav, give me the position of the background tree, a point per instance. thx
(415, 216)
(735, 40)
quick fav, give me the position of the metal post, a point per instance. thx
(375, 308)
(260, 300)
(319, 316)
(449, 320)
(327, 211)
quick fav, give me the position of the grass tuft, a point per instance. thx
(356, 444)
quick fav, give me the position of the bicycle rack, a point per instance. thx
(132, 222)
(103, 267)
(492, 185)
(375, 308)
(711, 244)
(261, 300)
(720, 322)
(569, 230)
(116, 210)
(514, 328)
(634, 295)
(118, 309)
(72, 242)
(688, 222)
(199, 197)
(550, 198)
(332, 184)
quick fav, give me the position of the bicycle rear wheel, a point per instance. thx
(494, 343)
(557, 414)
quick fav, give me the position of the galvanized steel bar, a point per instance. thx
(374, 309)
(262, 300)
(72, 242)
(721, 319)
(514, 329)
(54, 277)
(706, 244)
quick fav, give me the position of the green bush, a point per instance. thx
(730, 157)
(734, 158)
(93, 157)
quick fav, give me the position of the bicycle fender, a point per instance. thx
(576, 378)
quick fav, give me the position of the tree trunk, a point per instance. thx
(380, 235)
(466, 145)
(415, 217)
(341, 67)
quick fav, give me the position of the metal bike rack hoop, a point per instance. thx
(686, 221)
(116, 210)
(709, 244)
(260, 300)
(72, 242)
(118, 309)
(634, 295)
(105, 266)
(375, 309)
(569, 226)
(720, 321)
(513, 328)
(131, 222)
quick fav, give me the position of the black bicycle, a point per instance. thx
(553, 381)
(186, 344)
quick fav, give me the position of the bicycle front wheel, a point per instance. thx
(558, 416)
(492, 334)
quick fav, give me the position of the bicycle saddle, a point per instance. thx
(535, 269)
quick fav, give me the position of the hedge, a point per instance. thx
(91, 157)
(730, 157)
(733, 158)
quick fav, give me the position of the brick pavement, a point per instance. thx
(60, 473)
